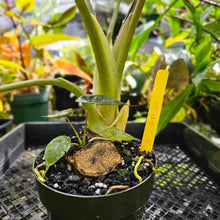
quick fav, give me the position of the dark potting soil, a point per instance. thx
(64, 177)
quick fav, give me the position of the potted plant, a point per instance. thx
(102, 158)
(24, 57)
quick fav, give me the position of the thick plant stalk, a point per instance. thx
(105, 76)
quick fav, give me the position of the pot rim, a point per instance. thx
(97, 196)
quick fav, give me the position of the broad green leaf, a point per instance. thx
(56, 149)
(203, 52)
(120, 135)
(42, 40)
(213, 27)
(125, 36)
(174, 24)
(61, 114)
(11, 65)
(178, 76)
(175, 51)
(172, 107)
(213, 76)
(3, 5)
(212, 85)
(195, 14)
(25, 5)
(99, 99)
(179, 116)
(205, 14)
(13, 14)
(199, 75)
(142, 38)
(141, 35)
(64, 17)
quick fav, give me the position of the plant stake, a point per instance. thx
(154, 110)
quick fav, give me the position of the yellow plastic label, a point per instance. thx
(154, 110)
(1, 106)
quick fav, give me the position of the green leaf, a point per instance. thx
(195, 14)
(25, 5)
(213, 27)
(203, 52)
(178, 76)
(64, 17)
(99, 99)
(174, 24)
(141, 35)
(199, 75)
(125, 36)
(56, 149)
(137, 42)
(42, 40)
(205, 14)
(107, 82)
(3, 5)
(61, 114)
(121, 135)
(11, 65)
(159, 2)
(172, 107)
(212, 85)
(176, 51)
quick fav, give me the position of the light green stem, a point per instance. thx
(75, 131)
(38, 173)
(113, 21)
(136, 168)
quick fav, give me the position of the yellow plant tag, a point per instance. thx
(1, 106)
(154, 110)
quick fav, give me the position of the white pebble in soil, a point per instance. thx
(98, 191)
(56, 185)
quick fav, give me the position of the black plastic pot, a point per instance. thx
(188, 187)
(63, 98)
(124, 204)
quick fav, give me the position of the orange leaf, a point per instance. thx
(26, 49)
(70, 68)
(7, 40)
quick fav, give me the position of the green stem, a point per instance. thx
(136, 168)
(84, 133)
(75, 131)
(88, 2)
(39, 82)
(113, 21)
(38, 173)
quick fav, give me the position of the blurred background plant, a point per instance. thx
(25, 32)
(182, 36)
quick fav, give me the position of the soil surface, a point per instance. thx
(64, 177)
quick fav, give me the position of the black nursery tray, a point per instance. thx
(186, 189)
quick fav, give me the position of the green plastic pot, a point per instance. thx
(30, 107)
(121, 205)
